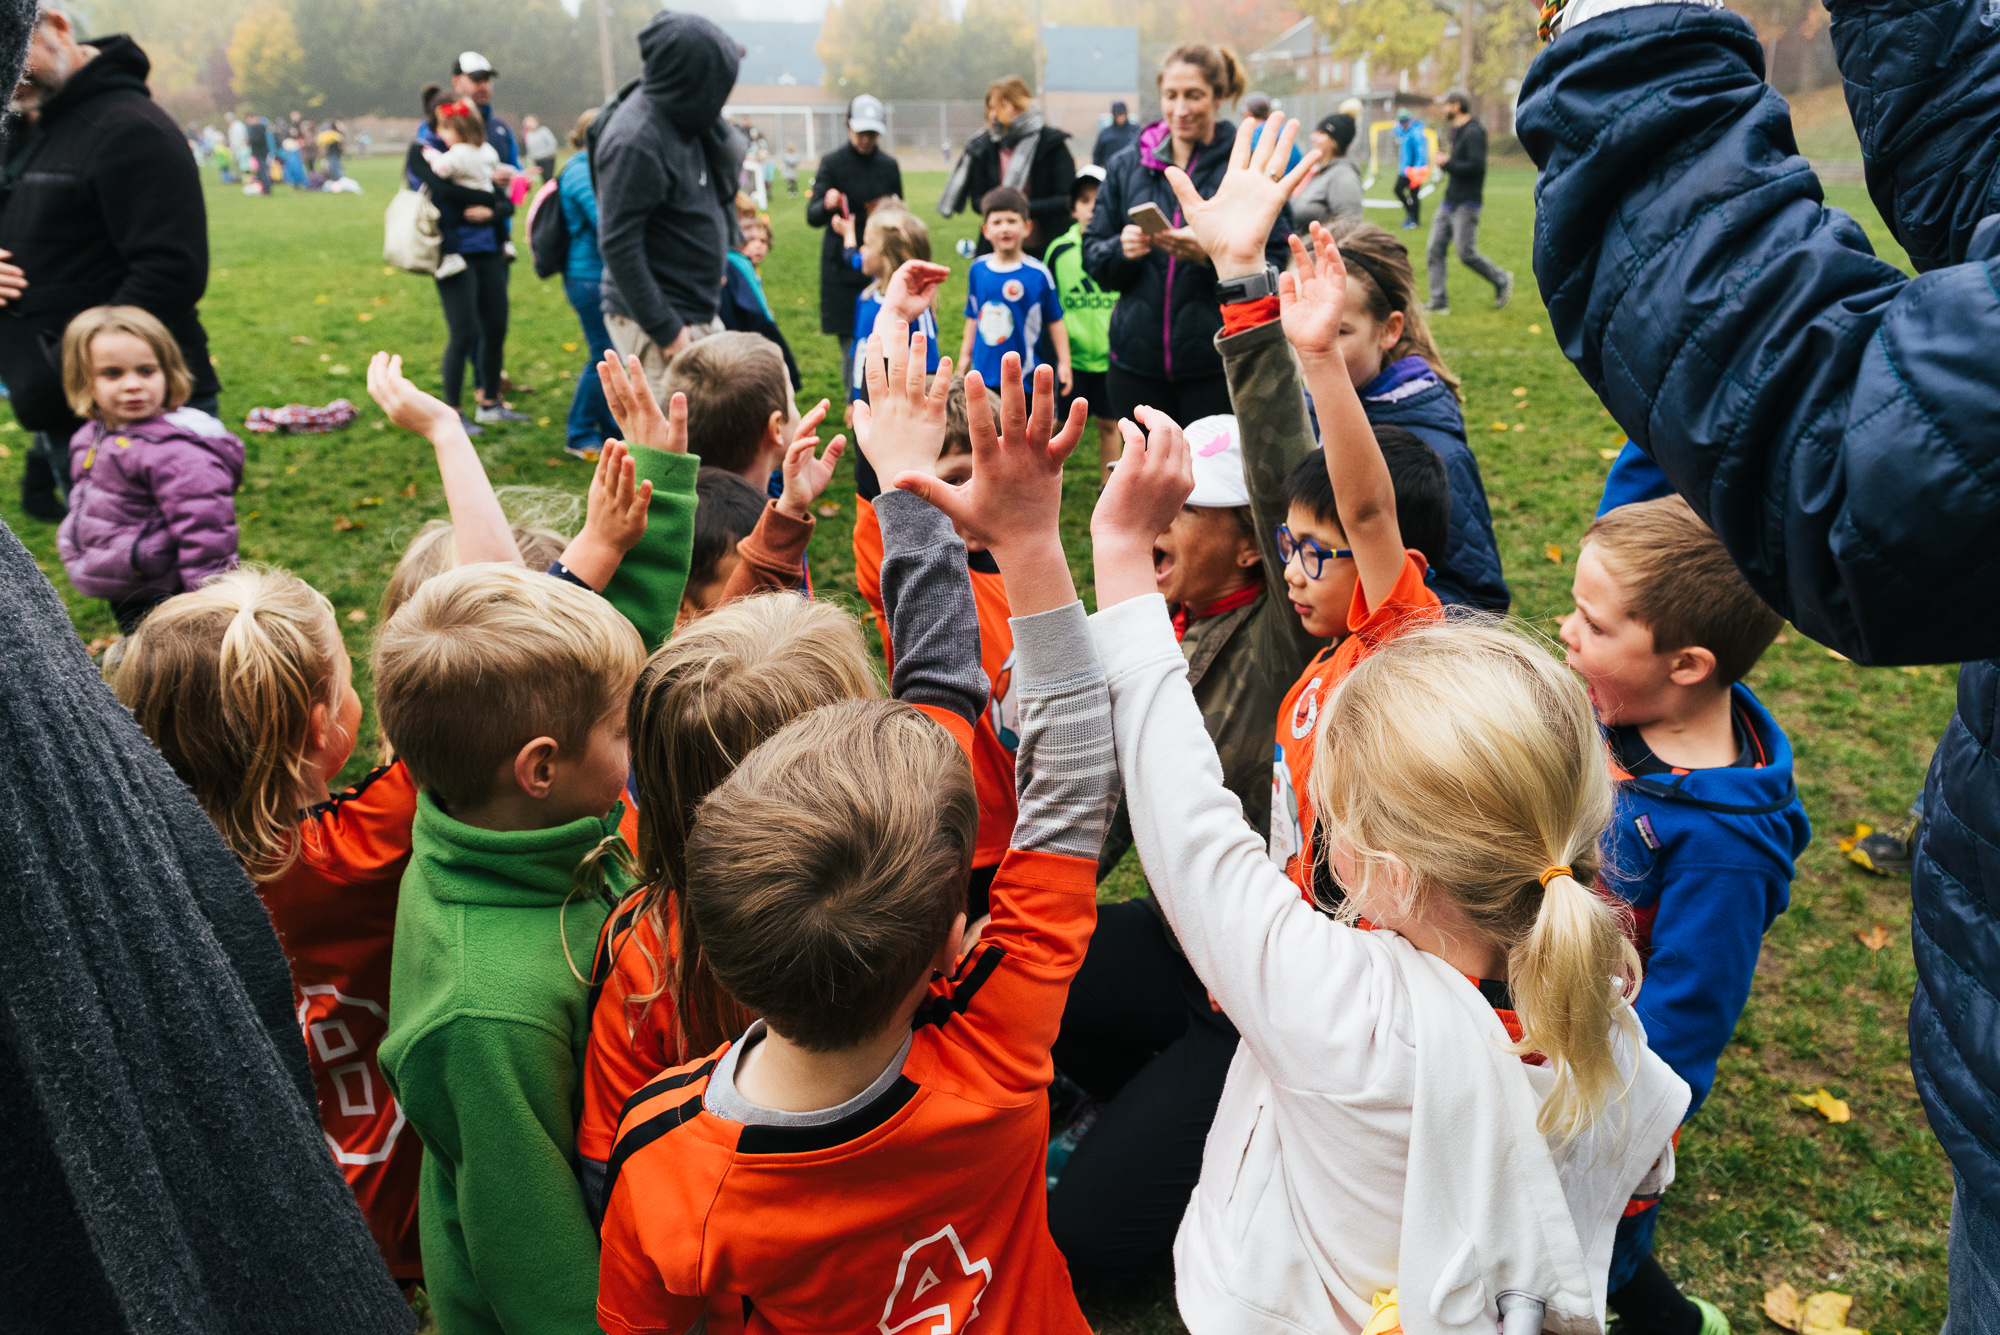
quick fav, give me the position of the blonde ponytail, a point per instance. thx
(224, 679)
(1467, 756)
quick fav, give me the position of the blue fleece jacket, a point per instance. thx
(1705, 860)
(1408, 395)
(1634, 477)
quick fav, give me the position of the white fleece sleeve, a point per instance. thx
(1287, 975)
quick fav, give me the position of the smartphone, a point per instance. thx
(1151, 221)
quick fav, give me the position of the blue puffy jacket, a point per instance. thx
(1835, 422)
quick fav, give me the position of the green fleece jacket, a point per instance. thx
(487, 1029)
(651, 578)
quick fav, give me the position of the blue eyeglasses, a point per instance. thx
(1312, 557)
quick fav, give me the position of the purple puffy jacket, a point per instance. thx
(151, 505)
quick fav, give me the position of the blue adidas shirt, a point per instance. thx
(1012, 304)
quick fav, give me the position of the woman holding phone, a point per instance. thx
(1163, 329)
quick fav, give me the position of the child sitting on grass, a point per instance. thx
(1010, 297)
(1708, 821)
(152, 483)
(870, 1153)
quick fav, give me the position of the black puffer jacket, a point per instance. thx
(100, 204)
(1049, 180)
(1166, 320)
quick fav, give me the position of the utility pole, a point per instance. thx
(604, 48)
(1041, 55)
(1467, 13)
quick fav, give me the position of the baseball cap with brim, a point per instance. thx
(1217, 448)
(1090, 171)
(471, 62)
(864, 115)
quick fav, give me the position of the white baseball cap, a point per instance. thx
(471, 62)
(1218, 463)
(864, 115)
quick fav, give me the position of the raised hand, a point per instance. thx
(615, 519)
(806, 476)
(900, 429)
(1312, 296)
(843, 225)
(636, 411)
(910, 290)
(1234, 224)
(1151, 483)
(407, 406)
(1012, 504)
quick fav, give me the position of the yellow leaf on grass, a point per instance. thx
(1782, 1306)
(378, 301)
(321, 299)
(409, 492)
(1520, 391)
(357, 615)
(829, 510)
(1826, 1314)
(1838, 656)
(541, 421)
(1607, 454)
(1875, 938)
(6, 453)
(1499, 426)
(363, 316)
(569, 347)
(1827, 1106)
(1534, 329)
(1520, 426)
(300, 338)
(1554, 553)
(369, 500)
(553, 462)
(336, 370)
(326, 356)
(1861, 831)
(341, 524)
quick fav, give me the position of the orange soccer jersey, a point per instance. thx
(335, 913)
(633, 1041)
(915, 1211)
(995, 738)
(1298, 716)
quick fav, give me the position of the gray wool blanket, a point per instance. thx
(161, 1161)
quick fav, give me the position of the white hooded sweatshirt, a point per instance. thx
(1375, 1132)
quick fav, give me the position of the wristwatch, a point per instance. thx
(1250, 287)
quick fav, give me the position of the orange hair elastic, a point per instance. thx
(1552, 873)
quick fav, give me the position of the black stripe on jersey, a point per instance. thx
(960, 1000)
(662, 1085)
(803, 1139)
(1498, 995)
(642, 1135)
(600, 969)
(347, 794)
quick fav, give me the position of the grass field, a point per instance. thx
(1768, 1192)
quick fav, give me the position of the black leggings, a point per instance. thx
(1138, 1033)
(475, 311)
(1188, 399)
(1413, 208)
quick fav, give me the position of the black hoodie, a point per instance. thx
(665, 170)
(100, 203)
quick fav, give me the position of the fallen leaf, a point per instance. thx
(1520, 426)
(6, 453)
(357, 615)
(380, 426)
(98, 646)
(1826, 1314)
(378, 301)
(409, 492)
(336, 370)
(291, 468)
(1913, 671)
(829, 510)
(1607, 454)
(1554, 553)
(326, 356)
(363, 316)
(1826, 1105)
(1836, 654)
(1782, 1306)
(1875, 938)
(222, 273)
(341, 524)
(252, 515)
(569, 347)
(1534, 329)
(1499, 426)
(541, 421)
(369, 500)
(1520, 391)
(1782, 639)
(10, 426)
(300, 338)
(321, 299)
(553, 462)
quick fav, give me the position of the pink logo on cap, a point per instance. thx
(1216, 446)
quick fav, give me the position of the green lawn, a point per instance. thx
(298, 299)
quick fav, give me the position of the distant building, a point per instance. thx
(780, 66)
(1086, 70)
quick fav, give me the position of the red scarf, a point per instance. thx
(1184, 616)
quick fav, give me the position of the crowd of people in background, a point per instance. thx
(693, 985)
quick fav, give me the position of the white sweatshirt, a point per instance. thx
(1374, 1133)
(469, 165)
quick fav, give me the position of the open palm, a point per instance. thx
(1313, 296)
(1235, 223)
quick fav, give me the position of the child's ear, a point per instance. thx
(1692, 666)
(535, 767)
(774, 429)
(1392, 330)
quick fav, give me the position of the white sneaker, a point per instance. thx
(450, 265)
(508, 246)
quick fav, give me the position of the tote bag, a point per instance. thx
(410, 232)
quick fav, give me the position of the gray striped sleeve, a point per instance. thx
(927, 599)
(1066, 769)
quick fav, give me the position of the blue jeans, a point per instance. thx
(1974, 1265)
(589, 416)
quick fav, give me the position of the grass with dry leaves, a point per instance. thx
(1769, 1192)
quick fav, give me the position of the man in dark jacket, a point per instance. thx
(850, 180)
(258, 138)
(1835, 422)
(666, 187)
(1457, 219)
(1116, 137)
(100, 204)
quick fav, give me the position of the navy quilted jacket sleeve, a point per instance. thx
(1836, 423)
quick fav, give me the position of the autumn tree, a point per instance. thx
(267, 61)
(1391, 35)
(915, 49)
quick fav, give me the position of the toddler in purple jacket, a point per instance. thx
(151, 508)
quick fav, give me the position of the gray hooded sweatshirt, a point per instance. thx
(665, 169)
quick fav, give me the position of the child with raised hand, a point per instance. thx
(704, 701)
(870, 1153)
(1458, 1101)
(152, 482)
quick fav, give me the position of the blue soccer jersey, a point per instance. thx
(1012, 304)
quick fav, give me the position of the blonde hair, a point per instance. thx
(899, 235)
(705, 700)
(486, 658)
(79, 378)
(1012, 90)
(1391, 285)
(540, 516)
(225, 679)
(1467, 758)
(824, 930)
(1680, 583)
